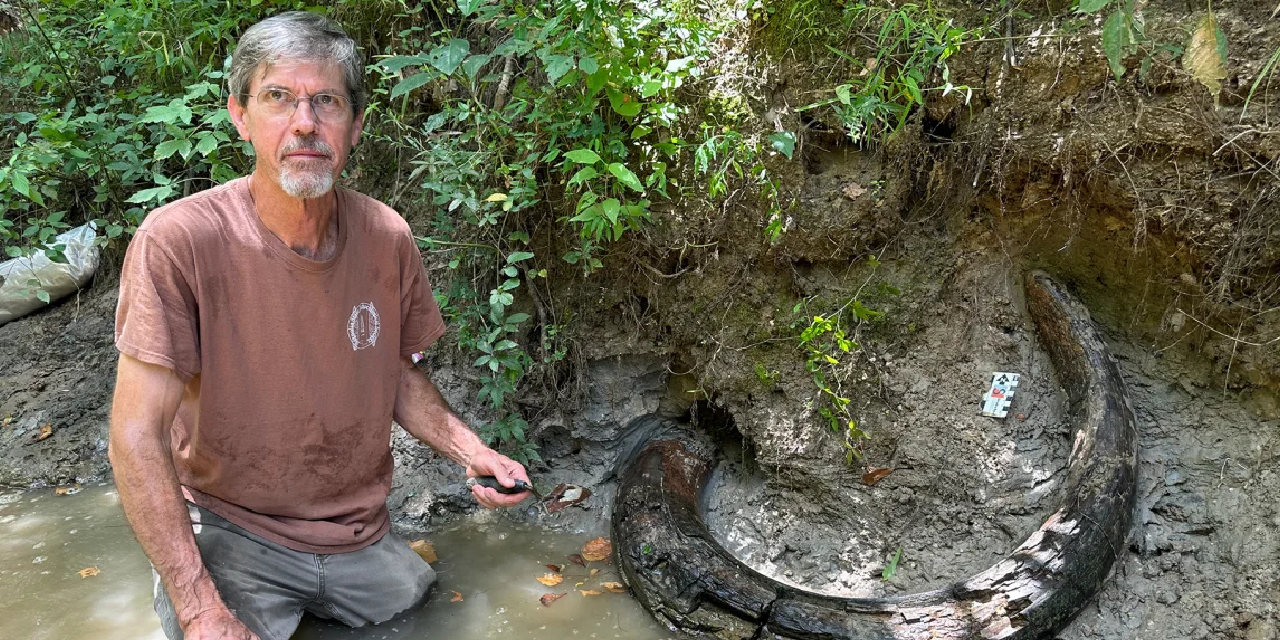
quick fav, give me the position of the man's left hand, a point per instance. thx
(488, 462)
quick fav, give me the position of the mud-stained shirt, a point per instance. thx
(291, 365)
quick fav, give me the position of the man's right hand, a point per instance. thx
(217, 625)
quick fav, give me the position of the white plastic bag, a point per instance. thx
(18, 295)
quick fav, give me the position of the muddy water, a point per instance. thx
(45, 540)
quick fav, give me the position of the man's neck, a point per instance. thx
(309, 226)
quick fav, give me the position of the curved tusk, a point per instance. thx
(681, 574)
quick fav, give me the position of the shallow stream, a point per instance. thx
(47, 539)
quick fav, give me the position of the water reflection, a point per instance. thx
(46, 539)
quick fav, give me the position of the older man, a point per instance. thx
(265, 328)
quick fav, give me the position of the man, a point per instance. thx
(265, 328)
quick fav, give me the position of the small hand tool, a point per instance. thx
(492, 483)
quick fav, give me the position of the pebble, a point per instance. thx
(1166, 597)
(1174, 477)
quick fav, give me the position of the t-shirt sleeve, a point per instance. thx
(157, 319)
(420, 320)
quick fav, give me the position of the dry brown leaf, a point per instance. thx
(85, 573)
(556, 567)
(577, 559)
(615, 587)
(457, 597)
(1202, 58)
(594, 572)
(873, 476)
(551, 579)
(424, 549)
(853, 190)
(548, 598)
(45, 432)
(590, 592)
(597, 550)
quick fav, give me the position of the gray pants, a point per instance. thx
(268, 586)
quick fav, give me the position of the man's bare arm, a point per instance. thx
(146, 399)
(425, 414)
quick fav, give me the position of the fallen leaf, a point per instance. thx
(6, 421)
(555, 493)
(551, 579)
(566, 496)
(615, 587)
(457, 597)
(873, 476)
(85, 573)
(1205, 55)
(590, 592)
(548, 598)
(556, 567)
(45, 432)
(424, 549)
(497, 197)
(853, 190)
(577, 559)
(66, 491)
(594, 572)
(579, 584)
(597, 550)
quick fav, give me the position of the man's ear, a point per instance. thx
(239, 116)
(356, 127)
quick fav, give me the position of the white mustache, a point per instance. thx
(306, 145)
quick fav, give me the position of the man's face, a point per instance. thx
(302, 151)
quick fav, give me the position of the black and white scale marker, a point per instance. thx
(995, 403)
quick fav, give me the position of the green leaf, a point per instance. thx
(395, 64)
(20, 183)
(583, 156)
(842, 93)
(623, 103)
(448, 56)
(650, 89)
(1115, 41)
(640, 131)
(473, 64)
(207, 144)
(154, 193)
(588, 65)
(169, 147)
(892, 568)
(625, 176)
(518, 256)
(596, 81)
(557, 66)
(468, 7)
(611, 207)
(517, 318)
(783, 142)
(43, 296)
(24, 118)
(1091, 6)
(411, 83)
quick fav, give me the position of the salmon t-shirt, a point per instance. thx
(291, 365)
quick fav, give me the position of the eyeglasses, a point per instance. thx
(282, 102)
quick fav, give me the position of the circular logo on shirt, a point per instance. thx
(363, 326)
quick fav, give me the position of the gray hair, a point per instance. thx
(296, 35)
